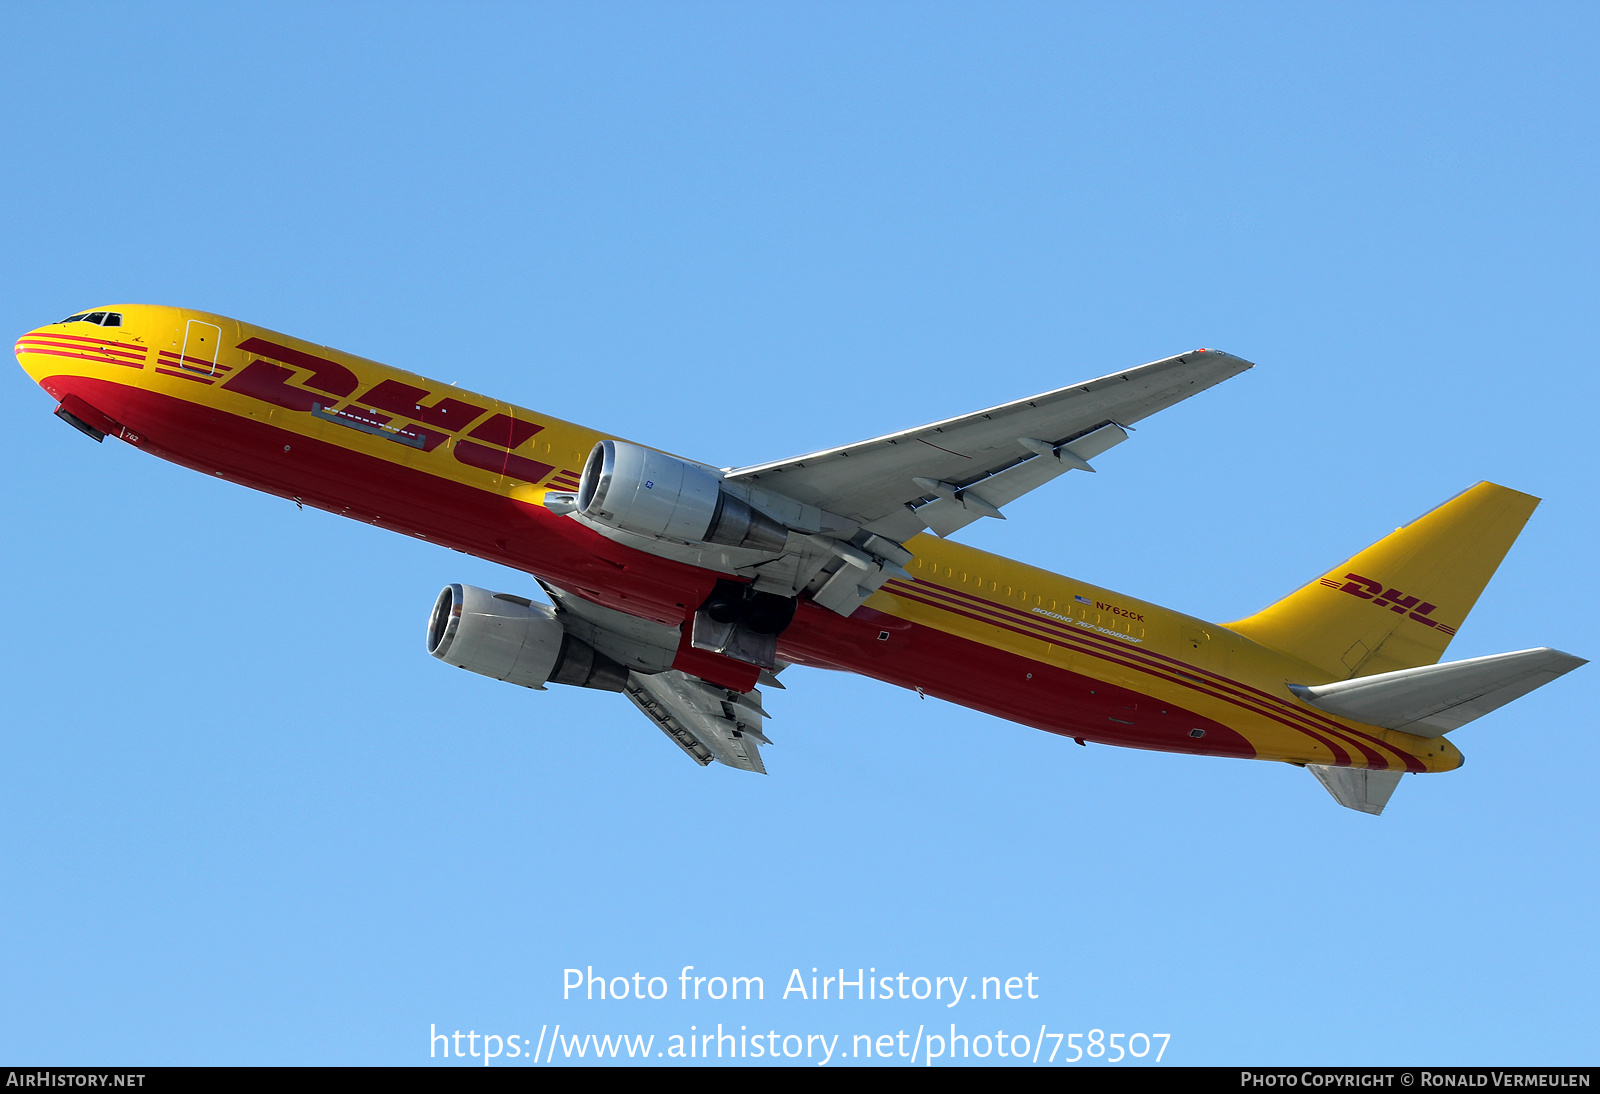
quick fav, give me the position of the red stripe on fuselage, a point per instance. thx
(364, 487)
(1312, 723)
(499, 462)
(1092, 728)
(179, 360)
(100, 347)
(83, 343)
(1030, 627)
(185, 376)
(1265, 702)
(86, 355)
(92, 341)
(995, 681)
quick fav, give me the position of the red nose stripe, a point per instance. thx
(39, 343)
(91, 341)
(100, 356)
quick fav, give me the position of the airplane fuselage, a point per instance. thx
(428, 459)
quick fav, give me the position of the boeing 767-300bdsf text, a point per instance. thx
(685, 586)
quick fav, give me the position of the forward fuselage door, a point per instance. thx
(200, 343)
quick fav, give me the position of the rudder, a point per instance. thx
(1397, 604)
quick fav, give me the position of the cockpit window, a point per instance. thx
(76, 318)
(95, 317)
(104, 318)
(112, 319)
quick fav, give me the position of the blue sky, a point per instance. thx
(248, 820)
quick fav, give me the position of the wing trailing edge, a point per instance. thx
(706, 721)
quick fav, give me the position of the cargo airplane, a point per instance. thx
(685, 586)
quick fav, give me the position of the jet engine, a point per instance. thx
(511, 638)
(650, 493)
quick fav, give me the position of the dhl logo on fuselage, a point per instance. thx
(1393, 599)
(424, 424)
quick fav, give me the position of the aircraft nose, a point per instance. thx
(35, 351)
(58, 352)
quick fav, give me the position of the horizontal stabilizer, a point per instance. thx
(1434, 699)
(1357, 788)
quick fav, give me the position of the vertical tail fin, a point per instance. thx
(1397, 604)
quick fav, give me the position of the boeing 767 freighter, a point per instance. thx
(685, 586)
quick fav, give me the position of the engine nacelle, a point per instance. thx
(511, 638)
(650, 493)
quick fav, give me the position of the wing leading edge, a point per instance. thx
(946, 474)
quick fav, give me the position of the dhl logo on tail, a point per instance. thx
(1393, 599)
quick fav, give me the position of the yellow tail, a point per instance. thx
(1397, 604)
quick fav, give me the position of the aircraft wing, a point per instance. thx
(945, 475)
(706, 721)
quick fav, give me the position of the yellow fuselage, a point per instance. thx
(431, 460)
